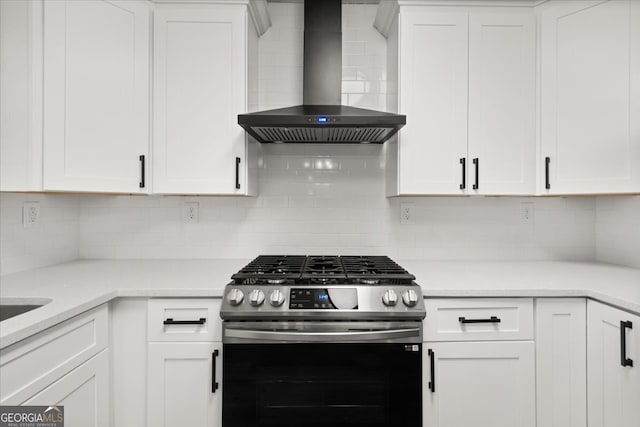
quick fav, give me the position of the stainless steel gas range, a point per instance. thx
(322, 341)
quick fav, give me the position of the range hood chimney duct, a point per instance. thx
(322, 71)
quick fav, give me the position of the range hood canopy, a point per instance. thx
(321, 119)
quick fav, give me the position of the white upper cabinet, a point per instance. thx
(590, 97)
(20, 96)
(202, 56)
(502, 104)
(96, 95)
(433, 95)
(466, 82)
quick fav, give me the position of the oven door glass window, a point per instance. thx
(321, 385)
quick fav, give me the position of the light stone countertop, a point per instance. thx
(78, 286)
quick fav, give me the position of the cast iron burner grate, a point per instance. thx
(322, 270)
(271, 270)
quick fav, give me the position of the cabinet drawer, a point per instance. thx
(478, 319)
(31, 365)
(193, 319)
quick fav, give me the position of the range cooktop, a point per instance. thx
(278, 287)
(322, 269)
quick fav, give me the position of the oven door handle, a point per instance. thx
(322, 336)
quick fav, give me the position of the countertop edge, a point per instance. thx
(40, 326)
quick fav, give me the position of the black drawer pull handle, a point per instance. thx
(237, 173)
(432, 361)
(142, 174)
(463, 162)
(476, 162)
(170, 321)
(492, 319)
(547, 183)
(214, 383)
(624, 361)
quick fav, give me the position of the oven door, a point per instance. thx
(322, 374)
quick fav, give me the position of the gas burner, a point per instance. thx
(338, 270)
(267, 268)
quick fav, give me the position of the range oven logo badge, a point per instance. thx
(31, 416)
(408, 347)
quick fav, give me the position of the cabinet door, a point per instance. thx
(96, 95)
(480, 384)
(502, 103)
(200, 83)
(433, 95)
(180, 385)
(20, 96)
(84, 393)
(590, 96)
(613, 389)
(561, 362)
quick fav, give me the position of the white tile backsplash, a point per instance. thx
(617, 226)
(54, 240)
(317, 199)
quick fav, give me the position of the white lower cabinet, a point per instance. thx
(67, 364)
(183, 388)
(84, 392)
(486, 382)
(184, 363)
(561, 362)
(613, 366)
(480, 384)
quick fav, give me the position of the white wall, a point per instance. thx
(55, 240)
(618, 230)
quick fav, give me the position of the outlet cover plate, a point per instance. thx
(190, 212)
(406, 213)
(30, 214)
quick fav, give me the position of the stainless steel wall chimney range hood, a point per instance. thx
(321, 118)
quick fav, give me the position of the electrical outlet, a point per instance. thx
(30, 214)
(190, 212)
(406, 213)
(526, 213)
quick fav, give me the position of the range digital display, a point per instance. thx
(310, 299)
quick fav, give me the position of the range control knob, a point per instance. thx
(390, 298)
(277, 298)
(410, 298)
(235, 297)
(256, 297)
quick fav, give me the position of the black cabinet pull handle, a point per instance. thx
(463, 162)
(170, 321)
(547, 184)
(237, 173)
(142, 174)
(624, 361)
(432, 364)
(492, 319)
(476, 162)
(214, 383)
